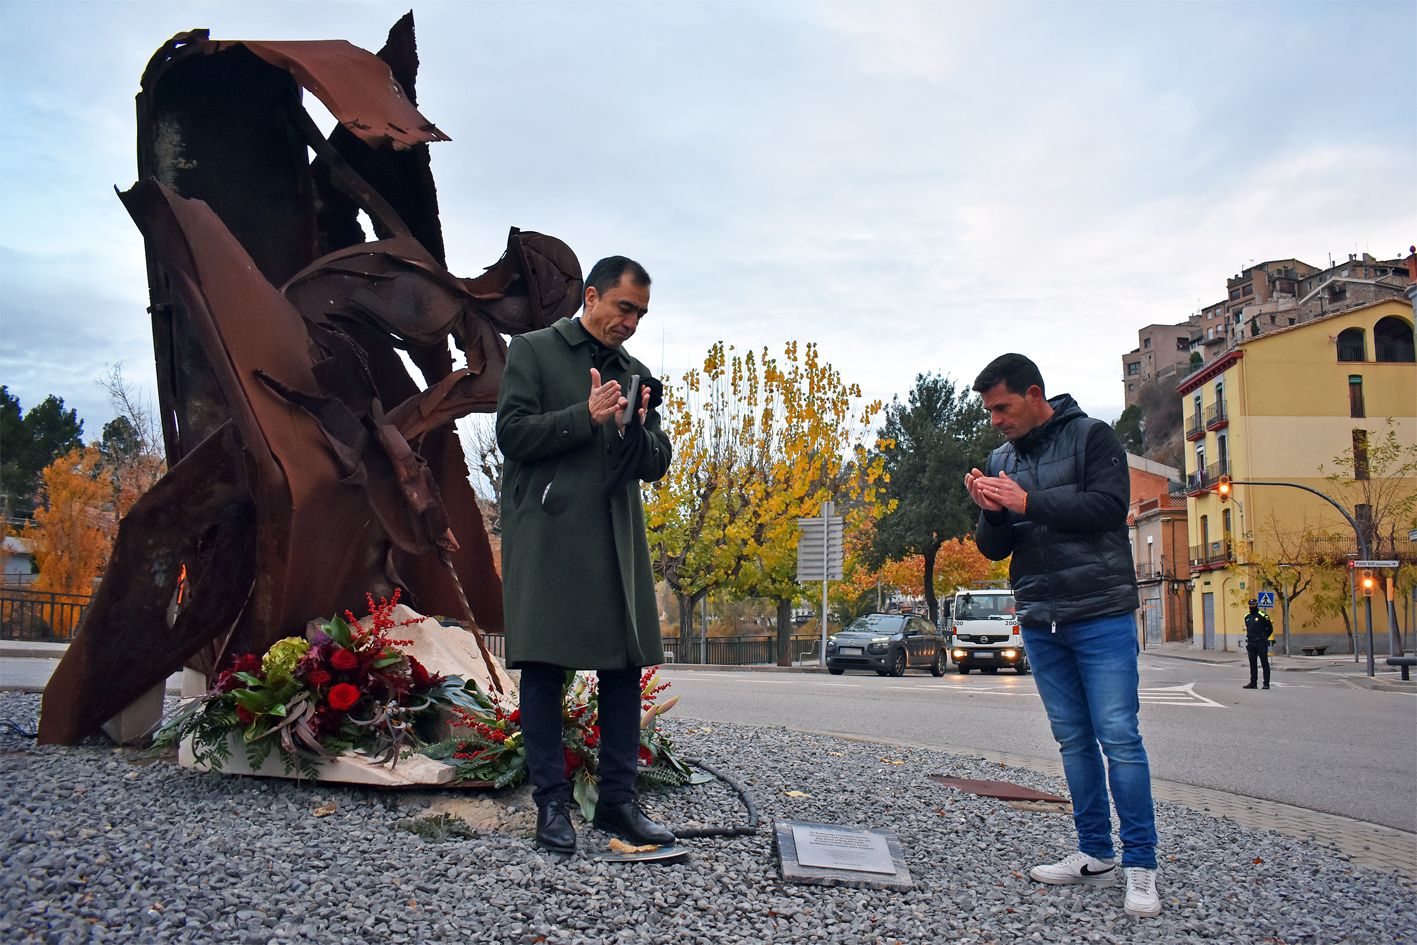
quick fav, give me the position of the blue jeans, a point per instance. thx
(1087, 676)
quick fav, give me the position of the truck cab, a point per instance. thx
(984, 631)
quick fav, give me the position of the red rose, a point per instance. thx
(516, 717)
(573, 761)
(246, 663)
(344, 695)
(646, 756)
(318, 677)
(592, 736)
(244, 715)
(343, 659)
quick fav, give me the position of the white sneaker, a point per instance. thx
(1077, 868)
(1141, 891)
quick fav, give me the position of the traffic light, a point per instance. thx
(1367, 583)
(1223, 488)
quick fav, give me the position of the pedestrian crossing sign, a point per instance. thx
(1266, 598)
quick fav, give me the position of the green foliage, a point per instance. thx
(1129, 429)
(934, 438)
(30, 442)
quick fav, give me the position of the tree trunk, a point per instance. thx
(784, 631)
(685, 647)
(931, 603)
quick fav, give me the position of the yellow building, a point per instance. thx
(1295, 405)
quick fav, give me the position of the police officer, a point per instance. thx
(1257, 633)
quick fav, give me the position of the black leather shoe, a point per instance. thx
(553, 827)
(1266, 685)
(628, 822)
(1248, 686)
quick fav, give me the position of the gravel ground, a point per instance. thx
(102, 845)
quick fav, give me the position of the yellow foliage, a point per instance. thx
(72, 532)
(759, 441)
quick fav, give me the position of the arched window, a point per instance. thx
(1351, 346)
(1392, 340)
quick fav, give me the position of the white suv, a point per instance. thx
(984, 631)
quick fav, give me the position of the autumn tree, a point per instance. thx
(818, 432)
(759, 441)
(931, 441)
(72, 530)
(958, 563)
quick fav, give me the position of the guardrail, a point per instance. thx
(40, 615)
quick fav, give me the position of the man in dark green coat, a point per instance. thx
(576, 577)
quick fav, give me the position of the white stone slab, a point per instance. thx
(349, 768)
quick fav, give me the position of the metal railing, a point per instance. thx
(722, 651)
(1215, 415)
(40, 615)
(1195, 426)
(1203, 479)
(1212, 555)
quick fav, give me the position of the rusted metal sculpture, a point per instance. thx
(306, 465)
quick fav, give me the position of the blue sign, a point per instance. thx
(1266, 598)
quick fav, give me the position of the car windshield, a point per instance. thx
(876, 623)
(983, 606)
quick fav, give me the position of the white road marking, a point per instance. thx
(1176, 695)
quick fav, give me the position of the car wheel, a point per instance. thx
(962, 669)
(898, 664)
(835, 670)
(937, 668)
(1023, 668)
(991, 670)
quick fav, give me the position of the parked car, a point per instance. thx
(984, 632)
(887, 643)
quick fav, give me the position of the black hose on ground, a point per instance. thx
(742, 830)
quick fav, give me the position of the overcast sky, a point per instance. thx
(917, 186)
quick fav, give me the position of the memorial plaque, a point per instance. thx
(840, 855)
(842, 848)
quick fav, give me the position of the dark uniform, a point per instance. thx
(1258, 630)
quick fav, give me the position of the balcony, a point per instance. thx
(1203, 480)
(1209, 557)
(1215, 416)
(1195, 427)
(1336, 549)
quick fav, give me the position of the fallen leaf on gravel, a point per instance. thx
(413, 903)
(1258, 861)
(892, 761)
(620, 846)
(837, 754)
(796, 793)
(325, 810)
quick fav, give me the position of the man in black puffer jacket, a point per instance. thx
(1055, 497)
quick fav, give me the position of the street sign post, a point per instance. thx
(819, 557)
(1373, 564)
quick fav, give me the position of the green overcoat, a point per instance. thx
(576, 577)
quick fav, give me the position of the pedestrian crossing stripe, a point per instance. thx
(1176, 695)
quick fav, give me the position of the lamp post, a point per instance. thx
(1362, 549)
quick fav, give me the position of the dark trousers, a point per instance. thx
(618, 699)
(1261, 653)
